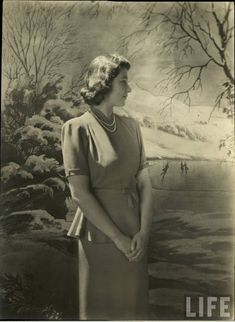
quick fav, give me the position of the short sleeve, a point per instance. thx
(74, 145)
(143, 161)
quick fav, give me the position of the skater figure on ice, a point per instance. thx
(186, 168)
(182, 168)
(164, 171)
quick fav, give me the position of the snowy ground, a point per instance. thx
(177, 131)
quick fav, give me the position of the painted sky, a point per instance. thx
(99, 34)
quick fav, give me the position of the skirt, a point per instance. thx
(111, 287)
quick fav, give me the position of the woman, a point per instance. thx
(105, 164)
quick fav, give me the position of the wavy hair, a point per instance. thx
(100, 75)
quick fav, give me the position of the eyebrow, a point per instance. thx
(124, 78)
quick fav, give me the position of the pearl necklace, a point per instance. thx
(104, 124)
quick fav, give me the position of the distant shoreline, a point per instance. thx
(154, 159)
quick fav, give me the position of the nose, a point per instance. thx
(129, 88)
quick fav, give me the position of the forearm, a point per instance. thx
(146, 210)
(96, 214)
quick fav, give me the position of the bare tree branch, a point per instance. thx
(180, 29)
(39, 38)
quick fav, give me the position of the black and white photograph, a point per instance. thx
(117, 161)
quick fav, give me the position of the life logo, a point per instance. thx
(208, 307)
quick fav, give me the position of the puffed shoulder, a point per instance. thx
(74, 128)
(76, 121)
(74, 145)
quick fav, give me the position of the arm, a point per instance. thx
(140, 240)
(75, 147)
(146, 203)
(94, 212)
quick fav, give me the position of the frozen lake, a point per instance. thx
(190, 250)
(191, 246)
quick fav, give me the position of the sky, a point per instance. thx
(100, 34)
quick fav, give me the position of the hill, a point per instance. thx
(177, 131)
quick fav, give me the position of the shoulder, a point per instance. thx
(133, 125)
(76, 122)
(75, 129)
(127, 119)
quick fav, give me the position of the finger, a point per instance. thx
(133, 258)
(139, 243)
(132, 249)
(139, 246)
(133, 244)
(129, 251)
(141, 252)
(136, 259)
(133, 252)
(139, 257)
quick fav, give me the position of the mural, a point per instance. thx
(182, 82)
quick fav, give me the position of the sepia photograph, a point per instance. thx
(117, 161)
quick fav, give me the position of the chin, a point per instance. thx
(120, 104)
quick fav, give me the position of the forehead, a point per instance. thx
(123, 74)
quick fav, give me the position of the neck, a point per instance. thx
(104, 109)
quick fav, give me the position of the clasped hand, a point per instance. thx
(135, 248)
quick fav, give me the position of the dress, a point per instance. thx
(110, 287)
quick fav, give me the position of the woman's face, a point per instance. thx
(120, 89)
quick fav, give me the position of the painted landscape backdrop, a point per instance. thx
(183, 97)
